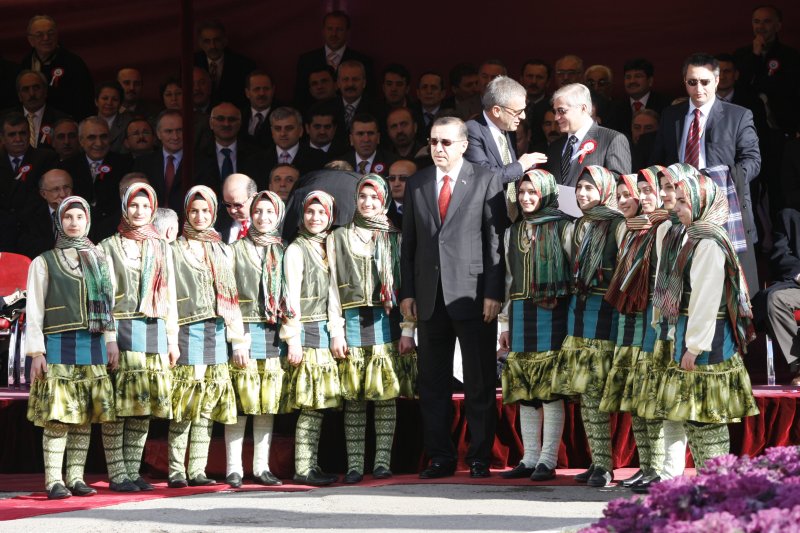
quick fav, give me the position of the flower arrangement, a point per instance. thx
(731, 494)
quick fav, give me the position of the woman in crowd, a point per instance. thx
(533, 322)
(208, 315)
(70, 339)
(314, 382)
(262, 299)
(142, 272)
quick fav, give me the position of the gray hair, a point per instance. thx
(91, 120)
(601, 68)
(285, 112)
(575, 94)
(452, 121)
(35, 73)
(500, 91)
(36, 18)
(572, 57)
(165, 217)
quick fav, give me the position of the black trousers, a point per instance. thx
(436, 344)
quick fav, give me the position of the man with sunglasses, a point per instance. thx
(707, 132)
(233, 222)
(399, 172)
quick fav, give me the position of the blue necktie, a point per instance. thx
(227, 163)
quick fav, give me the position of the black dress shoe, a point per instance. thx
(79, 488)
(142, 484)
(543, 473)
(600, 477)
(517, 472)
(125, 485)
(583, 477)
(381, 472)
(479, 469)
(631, 481)
(436, 470)
(267, 478)
(234, 480)
(353, 477)
(201, 480)
(58, 492)
(644, 484)
(316, 478)
(177, 482)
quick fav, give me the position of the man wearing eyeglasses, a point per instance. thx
(452, 285)
(38, 233)
(707, 132)
(233, 222)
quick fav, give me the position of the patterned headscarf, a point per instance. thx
(629, 289)
(549, 268)
(328, 204)
(587, 270)
(709, 207)
(153, 284)
(224, 281)
(99, 288)
(387, 237)
(273, 286)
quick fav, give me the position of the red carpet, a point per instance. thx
(37, 504)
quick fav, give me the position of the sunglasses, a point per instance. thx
(401, 178)
(445, 142)
(693, 82)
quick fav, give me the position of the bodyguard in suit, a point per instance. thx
(163, 167)
(452, 285)
(707, 132)
(227, 69)
(586, 143)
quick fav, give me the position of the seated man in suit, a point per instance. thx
(65, 138)
(259, 91)
(282, 179)
(638, 77)
(586, 143)
(227, 69)
(365, 156)
(399, 172)
(321, 127)
(430, 94)
(163, 167)
(32, 95)
(351, 80)
(321, 85)
(139, 139)
(402, 131)
(233, 222)
(569, 69)
(287, 128)
(132, 102)
(38, 234)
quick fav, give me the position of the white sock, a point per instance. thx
(553, 429)
(675, 450)
(234, 437)
(530, 424)
(262, 439)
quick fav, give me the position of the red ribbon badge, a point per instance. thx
(23, 172)
(57, 74)
(102, 171)
(587, 147)
(773, 66)
(378, 168)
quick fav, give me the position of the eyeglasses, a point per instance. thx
(560, 111)
(395, 178)
(39, 35)
(693, 82)
(234, 206)
(62, 188)
(599, 83)
(513, 112)
(223, 118)
(445, 142)
(568, 72)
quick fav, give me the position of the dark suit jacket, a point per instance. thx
(235, 69)
(467, 247)
(316, 60)
(152, 166)
(366, 105)
(73, 91)
(657, 102)
(102, 193)
(306, 160)
(380, 165)
(482, 150)
(263, 135)
(49, 118)
(250, 160)
(612, 152)
(37, 234)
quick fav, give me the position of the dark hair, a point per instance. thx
(433, 73)
(701, 59)
(364, 118)
(172, 80)
(322, 68)
(778, 13)
(400, 70)
(210, 25)
(727, 58)
(640, 63)
(257, 72)
(14, 118)
(458, 72)
(167, 113)
(320, 109)
(339, 14)
(536, 62)
(109, 85)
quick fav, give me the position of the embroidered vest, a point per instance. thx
(65, 301)
(194, 287)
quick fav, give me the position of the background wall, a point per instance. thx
(422, 34)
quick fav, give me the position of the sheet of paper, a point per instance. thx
(567, 202)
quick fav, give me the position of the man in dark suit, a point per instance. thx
(71, 89)
(452, 271)
(723, 134)
(163, 167)
(259, 91)
(535, 77)
(130, 79)
(366, 157)
(351, 81)
(320, 127)
(32, 95)
(638, 81)
(335, 33)
(586, 143)
(38, 234)
(402, 132)
(430, 94)
(287, 128)
(227, 69)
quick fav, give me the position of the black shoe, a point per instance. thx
(631, 481)
(125, 485)
(177, 482)
(479, 469)
(381, 472)
(353, 477)
(267, 478)
(644, 484)
(143, 485)
(583, 477)
(201, 480)
(234, 480)
(517, 472)
(543, 473)
(600, 477)
(79, 488)
(316, 478)
(58, 492)
(436, 470)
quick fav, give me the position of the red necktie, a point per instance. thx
(169, 178)
(243, 231)
(444, 197)
(691, 154)
(637, 106)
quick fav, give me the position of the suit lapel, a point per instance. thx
(490, 140)
(428, 189)
(715, 114)
(679, 127)
(464, 180)
(576, 165)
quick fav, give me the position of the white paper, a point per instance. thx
(567, 202)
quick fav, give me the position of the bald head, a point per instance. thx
(225, 121)
(237, 193)
(54, 186)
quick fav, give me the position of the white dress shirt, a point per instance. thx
(705, 109)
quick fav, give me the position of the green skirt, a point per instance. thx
(405, 366)
(259, 386)
(367, 373)
(528, 376)
(582, 366)
(709, 394)
(72, 394)
(636, 379)
(314, 383)
(207, 396)
(621, 369)
(143, 385)
(647, 392)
